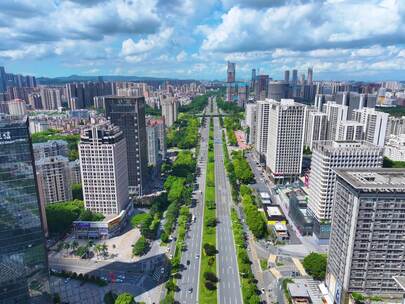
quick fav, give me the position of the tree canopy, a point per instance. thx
(60, 216)
(315, 265)
(184, 133)
(125, 298)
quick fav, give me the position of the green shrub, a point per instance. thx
(209, 249)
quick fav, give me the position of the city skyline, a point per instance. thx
(190, 39)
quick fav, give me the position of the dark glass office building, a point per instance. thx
(129, 114)
(23, 261)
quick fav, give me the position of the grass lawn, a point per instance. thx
(263, 264)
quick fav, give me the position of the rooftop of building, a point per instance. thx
(105, 132)
(298, 290)
(374, 179)
(51, 159)
(274, 211)
(50, 143)
(351, 123)
(328, 146)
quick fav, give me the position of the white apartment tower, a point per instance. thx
(375, 125)
(250, 114)
(169, 110)
(316, 126)
(366, 247)
(104, 169)
(336, 113)
(153, 145)
(262, 127)
(326, 157)
(286, 139)
(349, 130)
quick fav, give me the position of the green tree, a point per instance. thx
(75, 245)
(315, 265)
(110, 297)
(66, 246)
(125, 298)
(81, 251)
(358, 297)
(137, 219)
(60, 216)
(77, 192)
(171, 285)
(141, 247)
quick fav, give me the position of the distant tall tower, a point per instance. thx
(310, 75)
(3, 83)
(231, 72)
(287, 76)
(302, 80)
(253, 81)
(294, 77)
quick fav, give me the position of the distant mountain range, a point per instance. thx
(78, 78)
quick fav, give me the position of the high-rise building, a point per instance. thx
(278, 90)
(34, 100)
(262, 87)
(262, 127)
(253, 80)
(316, 126)
(53, 175)
(310, 76)
(128, 113)
(250, 121)
(104, 169)
(160, 130)
(394, 149)
(326, 157)
(169, 110)
(243, 94)
(375, 123)
(366, 247)
(230, 73)
(50, 148)
(396, 125)
(51, 98)
(349, 130)
(302, 80)
(17, 107)
(336, 113)
(81, 95)
(286, 139)
(3, 80)
(153, 146)
(287, 76)
(294, 79)
(23, 259)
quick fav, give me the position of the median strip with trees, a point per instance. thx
(208, 276)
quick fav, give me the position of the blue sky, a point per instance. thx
(359, 40)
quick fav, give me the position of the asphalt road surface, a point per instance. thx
(188, 283)
(229, 289)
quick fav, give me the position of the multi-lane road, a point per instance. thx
(188, 283)
(229, 289)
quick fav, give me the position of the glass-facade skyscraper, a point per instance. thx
(129, 114)
(24, 276)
